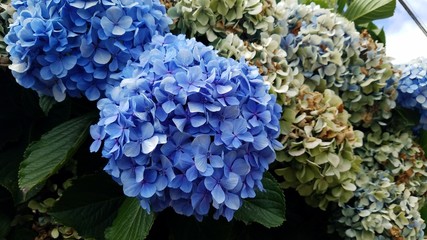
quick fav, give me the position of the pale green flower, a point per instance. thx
(318, 159)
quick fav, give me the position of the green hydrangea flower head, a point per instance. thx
(318, 158)
(370, 99)
(390, 190)
(321, 44)
(397, 153)
(381, 209)
(216, 18)
(6, 12)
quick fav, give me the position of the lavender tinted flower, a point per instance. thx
(188, 129)
(73, 47)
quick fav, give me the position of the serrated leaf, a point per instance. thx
(423, 212)
(46, 156)
(362, 11)
(341, 5)
(422, 139)
(46, 103)
(375, 32)
(406, 117)
(4, 225)
(267, 208)
(90, 205)
(9, 165)
(131, 223)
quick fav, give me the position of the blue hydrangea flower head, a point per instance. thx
(188, 129)
(412, 89)
(61, 47)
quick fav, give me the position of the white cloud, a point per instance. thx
(405, 41)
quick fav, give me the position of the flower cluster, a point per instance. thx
(321, 45)
(370, 99)
(6, 12)
(215, 19)
(382, 210)
(390, 190)
(188, 129)
(73, 46)
(318, 159)
(412, 89)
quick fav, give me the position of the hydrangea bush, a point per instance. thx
(188, 129)
(73, 47)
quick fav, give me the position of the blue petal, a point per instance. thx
(45, 73)
(191, 173)
(247, 137)
(69, 61)
(147, 130)
(56, 67)
(168, 106)
(216, 161)
(184, 57)
(139, 173)
(148, 190)
(161, 183)
(114, 14)
(94, 147)
(159, 68)
(196, 107)
(125, 22)
(132, 190)
(241, 167)
(240, 126)
(197, 121)
(232, 201)
(180, 123)
(260, 142)
(210, 183)
(218, 194)
(102, 56)
(201, 163)
(86, 49)
(131, 149)
(231, 182)
(118, 31)
(114, 130)
(223, 89)
(149, 145)
(92, 93)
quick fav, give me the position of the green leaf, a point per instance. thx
(423, 212)
(46, 103)
(376, 33)
(90, 205)
(45, 157)
(422, 140)
(4, 225)
(341, 5)
(131, 223)
(362, 11)
(267, 208)
(406, 118)
(9, 165)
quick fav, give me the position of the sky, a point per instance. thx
(405, 41)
